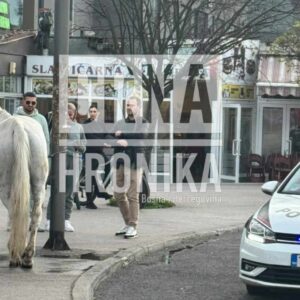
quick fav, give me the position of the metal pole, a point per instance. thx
(56, 239)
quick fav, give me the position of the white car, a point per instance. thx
(270, 244)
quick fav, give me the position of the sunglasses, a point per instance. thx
(33, 103)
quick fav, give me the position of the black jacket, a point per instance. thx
(95, 130)
(138, 133)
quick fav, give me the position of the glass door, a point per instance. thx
(246, 138)
(273, 122)
(237, 141)
(280, 129)
(293, 131)
(230, 143)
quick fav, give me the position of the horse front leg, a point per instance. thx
(36, 214)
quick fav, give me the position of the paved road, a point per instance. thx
(207, 271)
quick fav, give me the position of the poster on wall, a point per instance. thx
(42, 86)
(45, 87)
(78, 87)
(104, 88)
(240, 64)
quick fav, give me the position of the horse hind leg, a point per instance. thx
(14, 258)
(38, 195)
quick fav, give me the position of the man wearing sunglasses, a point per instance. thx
(28, 108)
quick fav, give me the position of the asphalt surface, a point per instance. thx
(194, 271)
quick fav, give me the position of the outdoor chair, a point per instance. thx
(282, 166)
(256, 168)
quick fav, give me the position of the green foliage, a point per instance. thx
(151, 203)
(289, 42)
(158, 203)
(288, 47)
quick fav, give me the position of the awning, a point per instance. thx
(278, 77)
(286, 92)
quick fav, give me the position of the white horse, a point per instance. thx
(23, 174)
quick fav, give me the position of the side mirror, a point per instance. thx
(269, 187)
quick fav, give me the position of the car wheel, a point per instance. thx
(254, 290)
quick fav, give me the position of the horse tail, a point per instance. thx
(20, 191)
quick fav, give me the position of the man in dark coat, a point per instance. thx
(130, 142)
(95, 130)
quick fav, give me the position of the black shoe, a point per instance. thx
(76, 200)
(104, 195)
(82, 203)
(91, 205)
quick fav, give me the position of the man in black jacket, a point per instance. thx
(95, 130)
(130, 134)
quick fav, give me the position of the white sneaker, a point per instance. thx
(131, 232)
(123, 230)
(68, 226)
(40, 229)
(47, 225)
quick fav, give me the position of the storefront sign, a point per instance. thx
(240, 71)
(3, 8)
(231, 91)
(4, 18)
(78, 67)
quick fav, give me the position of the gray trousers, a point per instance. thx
(69, 199)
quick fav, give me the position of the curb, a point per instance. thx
(84, 286)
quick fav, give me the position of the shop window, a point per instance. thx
(78, 87)
(109, 108)
(132, 87)
(104, 88)
(9, 84)
(16, 12)
(164, 109)
(10, 104)
(44, 105)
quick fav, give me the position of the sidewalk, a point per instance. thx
(71, 276)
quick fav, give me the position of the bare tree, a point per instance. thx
(168, 26)
(158, 26)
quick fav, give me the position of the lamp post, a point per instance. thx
(56, 239)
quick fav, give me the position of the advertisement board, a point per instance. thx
(240, 66)
(4, 15)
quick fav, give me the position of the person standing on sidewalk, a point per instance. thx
(76, 147)
(95, 131)
(28, 108)
(128, 199)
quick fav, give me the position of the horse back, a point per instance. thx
(37, 148)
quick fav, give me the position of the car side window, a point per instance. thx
(293, 185)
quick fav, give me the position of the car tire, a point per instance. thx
(254, 290)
